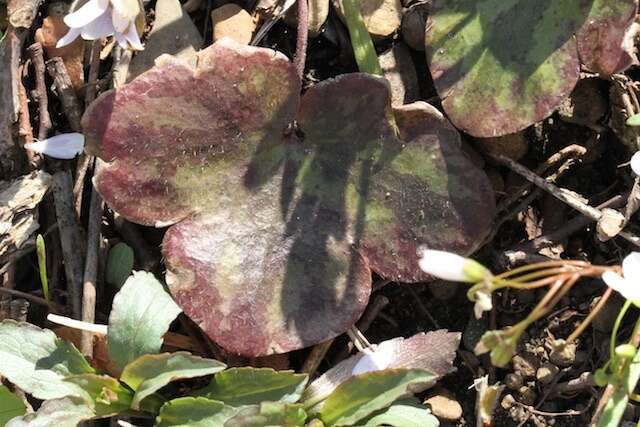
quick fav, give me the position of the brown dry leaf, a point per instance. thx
(53, 29)
(100, 360)
(18, 216)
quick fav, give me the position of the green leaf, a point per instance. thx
(142, 312)
(269, 414)
(119, 264)
(194, 412)
(617, 404)
(633, 120)
(151, 372)
(251, 386)
(37, 361)
(364, 394)
(64, 412)
(108, 396)
(11, 406)
(41, 251)
(403, 413)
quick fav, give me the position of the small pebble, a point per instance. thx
(546, 373)
(513, 381)
(444, 405)
(232, 21)
(526, 395)
(563, 355)
(525, 365)
(507, 402)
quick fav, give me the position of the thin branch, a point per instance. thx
(302, 37)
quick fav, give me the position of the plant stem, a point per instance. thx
(302, 37)
(616, 327)
(363, 48)
(580, 329)
(42, 265)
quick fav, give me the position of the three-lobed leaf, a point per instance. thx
(274, 234)
(502, 65)
(250, 386)
(151, 372)
(141, 314)
(364, 394)
(37, 361)
(194, 412)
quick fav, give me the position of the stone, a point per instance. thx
(232, 21)
(413, 26)
(173, 33)
(381, 17)
(526, 395)
(513, 146)
(563, 355)
(513, 381)
(507, 402)
(400, 72)
(525, 365)
(444, 405)
(546, 373)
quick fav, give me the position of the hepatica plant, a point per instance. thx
(274, 228)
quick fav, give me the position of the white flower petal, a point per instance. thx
(631, 267)
(68, 38)
(122, 41)
(133, 38)
(87, 13)
(444, 265)
(635, 163)
(483, 303)
(120, 22)
(374, 360)
(101, 27)
(627, 288)
(63, 146)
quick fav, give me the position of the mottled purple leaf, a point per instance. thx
(275, 233)
(502, 65)
(606, 43)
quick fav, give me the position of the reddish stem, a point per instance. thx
(301, 40)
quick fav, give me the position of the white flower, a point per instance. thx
(375, 359)
(629, 285)
(449, 266)
(63, 146)
(483, 303)
(635, 163)
(102, 18)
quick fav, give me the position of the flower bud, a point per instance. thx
(449, 266)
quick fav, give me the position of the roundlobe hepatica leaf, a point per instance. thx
(501, 65)
(274, 236)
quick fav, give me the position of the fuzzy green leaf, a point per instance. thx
(63, 412)
(107, 395)
(250, 386)
(119, 264)
(268, 414)
(11, 406)
(403, 413)
(142, 313)
(194, 412)
(151, 372)
(362, 395)
(37, 361)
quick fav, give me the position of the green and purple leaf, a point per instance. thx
(502, 65)
(275, 233)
